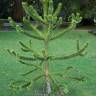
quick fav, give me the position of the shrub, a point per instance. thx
(49, 21)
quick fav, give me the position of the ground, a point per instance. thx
(11, 70)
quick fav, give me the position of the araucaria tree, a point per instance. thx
(49, 21)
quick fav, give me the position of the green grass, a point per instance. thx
(11, 70)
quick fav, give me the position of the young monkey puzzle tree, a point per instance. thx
(49, 21)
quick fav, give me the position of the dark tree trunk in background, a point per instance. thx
(86, 22)
(17, 10)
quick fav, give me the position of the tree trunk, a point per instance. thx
(48, 85)
(17, 10)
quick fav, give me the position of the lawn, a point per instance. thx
(11, 70)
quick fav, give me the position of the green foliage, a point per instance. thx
(88, 8)
(49, 21)
(4, 8)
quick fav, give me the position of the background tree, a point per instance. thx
(5, 8)
(17, 11)
(87, 8)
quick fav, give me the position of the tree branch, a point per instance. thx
(24, 57)
(33, 70)
(33, 36)
(78, 53)
(21, 30)
(28, 49)
(75, 18)
(29, 24)
(30, 10)
(72, 26)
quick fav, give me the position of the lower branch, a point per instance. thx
(24, 57)
(78, 53)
